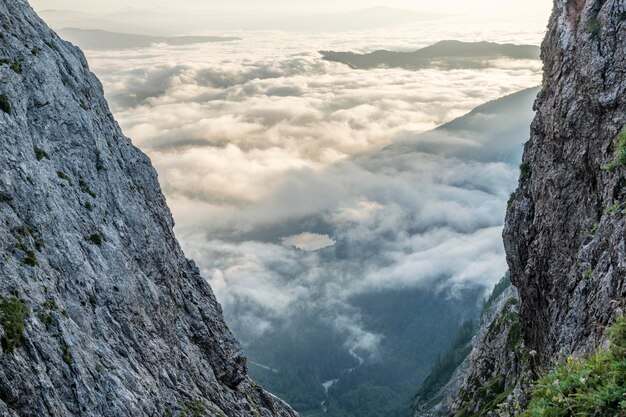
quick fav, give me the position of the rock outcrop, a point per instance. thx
(101, 314)
(565, 229)
(492, 379)
(498, 367)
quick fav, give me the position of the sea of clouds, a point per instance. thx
(274, 163)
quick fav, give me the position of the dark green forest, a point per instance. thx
(416, 326)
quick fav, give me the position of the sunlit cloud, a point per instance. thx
(308, 241)
(297, 184)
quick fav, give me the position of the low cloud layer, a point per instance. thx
(298, 184)
(309, 242)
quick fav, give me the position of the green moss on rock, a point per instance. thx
(13, 314)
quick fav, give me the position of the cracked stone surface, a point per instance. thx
(565, 230)
(120, 322)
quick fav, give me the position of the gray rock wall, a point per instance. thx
(565, 229)
(119, 322)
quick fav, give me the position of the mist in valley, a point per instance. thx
(348, 217)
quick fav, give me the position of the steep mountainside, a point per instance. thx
(565, 229)
(495, 371)
(101, 314)
(498, 369)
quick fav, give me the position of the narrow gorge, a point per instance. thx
(102, 314)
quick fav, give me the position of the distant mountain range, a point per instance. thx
(149, 25)
(492, 132)
(167, 23)
(448, 54)
(100, 39)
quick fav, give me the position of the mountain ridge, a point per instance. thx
(106, 40)
(447, 54)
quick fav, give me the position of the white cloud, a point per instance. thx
(309, 242)
(259, 140)
(465, 258)
(363, 210)
(358, 341)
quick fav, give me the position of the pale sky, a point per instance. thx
(521, 8)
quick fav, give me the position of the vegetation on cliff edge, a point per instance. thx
(446, 365)
(592, 386)
(13, 313)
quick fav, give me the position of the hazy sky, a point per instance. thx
(521, 8)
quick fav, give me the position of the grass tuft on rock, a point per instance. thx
(525, 171)
(66, 354)
(64, 177)
(95, 239)
(620, 153)
(194, 408)
(40, 153)
(592, 386)
(15, 65)
(594, 28)
(13, 314)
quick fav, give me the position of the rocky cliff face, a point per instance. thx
(101, 314)
(492, 378)
(565, 230)
(498, 368)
